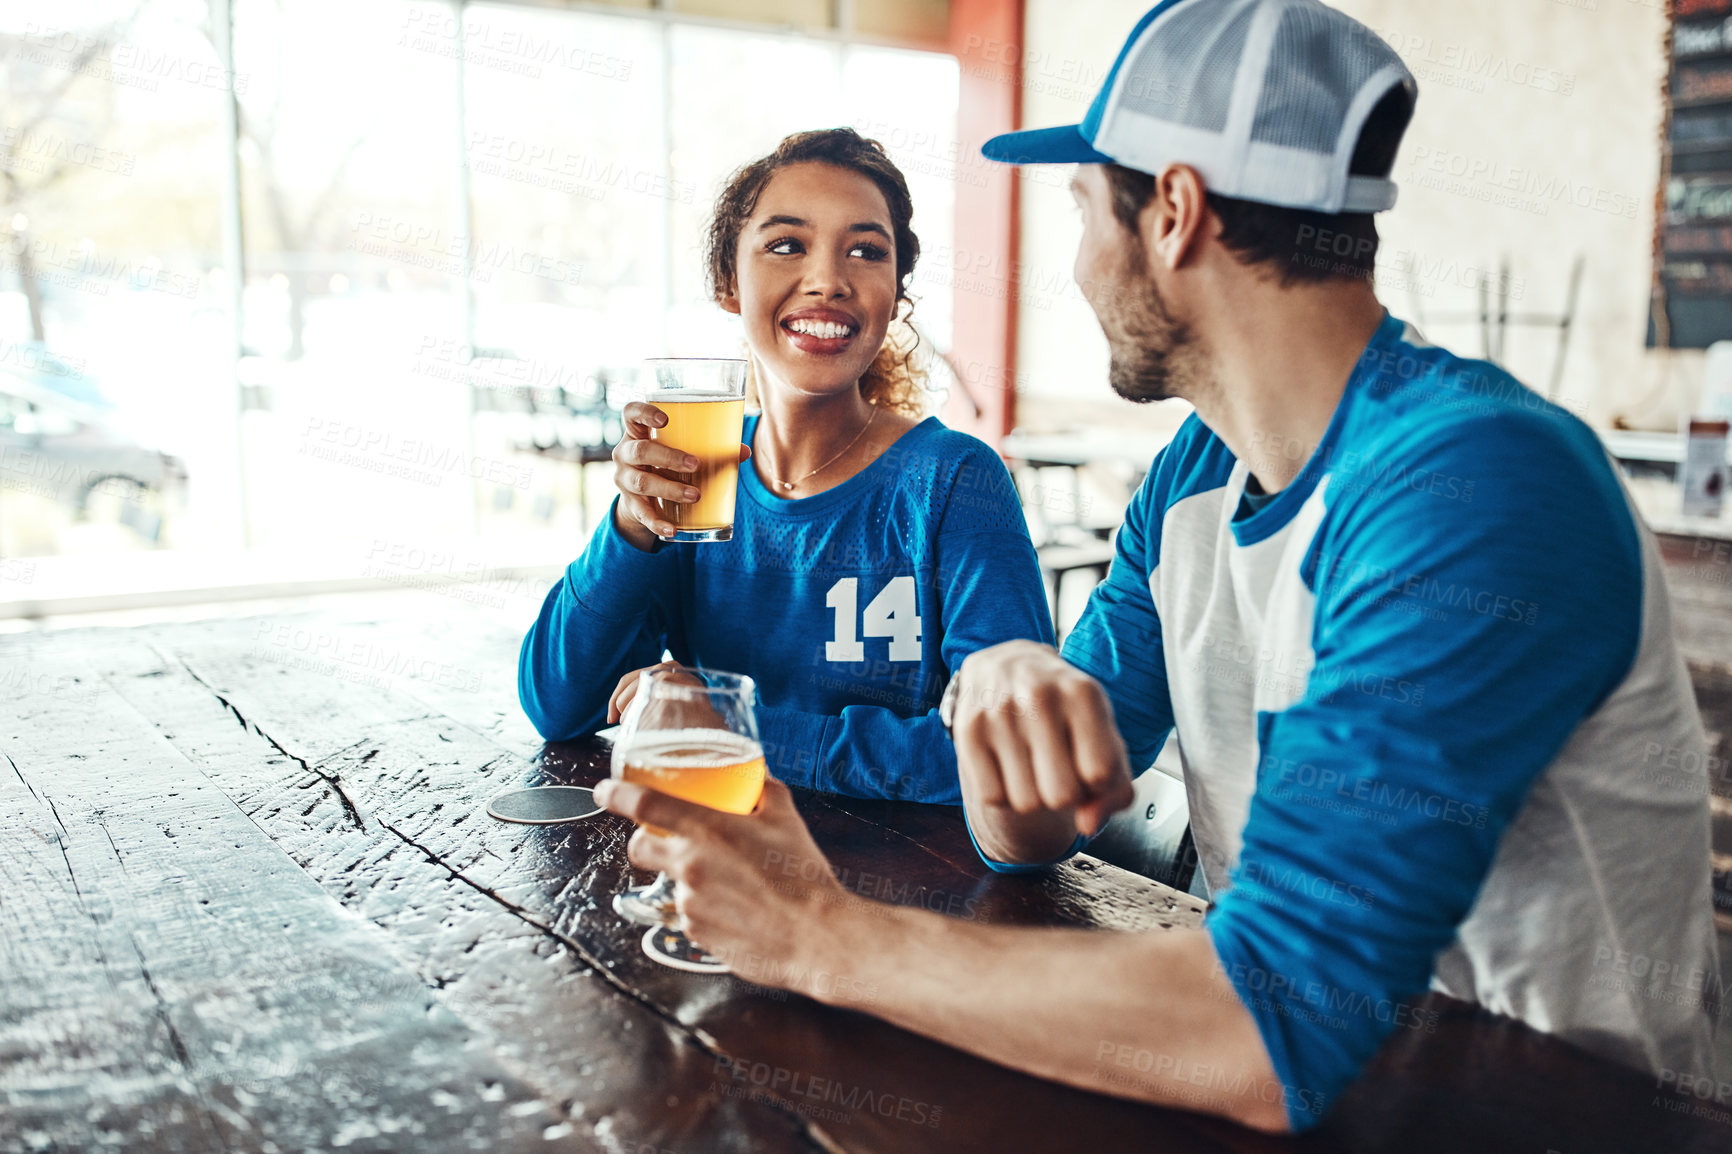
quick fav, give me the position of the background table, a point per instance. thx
(250, 900)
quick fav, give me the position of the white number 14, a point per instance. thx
(893, 614)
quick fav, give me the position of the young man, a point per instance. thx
(1414, 641)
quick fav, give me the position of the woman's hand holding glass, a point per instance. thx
(639, 516)
(623, 693)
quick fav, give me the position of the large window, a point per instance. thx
(457, 223)
(353, 266)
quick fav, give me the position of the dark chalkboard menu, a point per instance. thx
(1693, 297)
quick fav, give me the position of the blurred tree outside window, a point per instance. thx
(112, 347)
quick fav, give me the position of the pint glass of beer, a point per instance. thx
(705, 403)
(690, 733)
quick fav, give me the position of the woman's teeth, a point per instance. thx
(827, 330)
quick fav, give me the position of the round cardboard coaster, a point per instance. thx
(666, 945)
(544, 804)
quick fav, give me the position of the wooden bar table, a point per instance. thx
(250, 899)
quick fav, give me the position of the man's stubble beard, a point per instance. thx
(1154, 356)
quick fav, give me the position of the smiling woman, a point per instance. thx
(856, 519)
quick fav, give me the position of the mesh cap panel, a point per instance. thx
(1264, 98)
(1317, 64)
(1186, 74)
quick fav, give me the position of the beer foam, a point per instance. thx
(688, 396)
(689, 749)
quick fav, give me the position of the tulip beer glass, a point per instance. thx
(692, 734)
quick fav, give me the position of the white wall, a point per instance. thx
(1536, 136)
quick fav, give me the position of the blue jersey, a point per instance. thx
(1430, 714)
(850, 609)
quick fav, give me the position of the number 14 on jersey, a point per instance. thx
(893, 614)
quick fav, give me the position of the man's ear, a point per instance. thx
(1177, 218)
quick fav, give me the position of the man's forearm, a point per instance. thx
(1155, 1020)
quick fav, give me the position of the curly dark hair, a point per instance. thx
(893, 380)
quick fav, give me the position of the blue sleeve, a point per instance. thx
(989, 590)
(1472, 607)
(865, 751)
(1021, 867)
(1118, 639)
(614, 610)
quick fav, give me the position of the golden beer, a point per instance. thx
(709, 429)
(711, 767)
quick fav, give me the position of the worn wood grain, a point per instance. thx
(174, 982)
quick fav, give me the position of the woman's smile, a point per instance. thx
(824, 332)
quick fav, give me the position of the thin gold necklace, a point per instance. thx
(787, 486)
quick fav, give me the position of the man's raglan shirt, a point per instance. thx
(850, 609)
(1429, 710)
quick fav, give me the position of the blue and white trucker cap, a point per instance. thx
(1264, 98)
